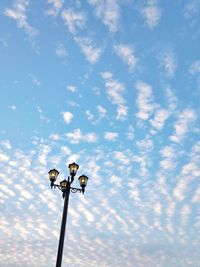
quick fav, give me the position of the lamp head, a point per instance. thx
(73, 167)
(83, 179)
(63, 185)
(53, 174)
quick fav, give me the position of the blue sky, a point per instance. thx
(114, 86)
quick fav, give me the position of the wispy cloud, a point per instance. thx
(160, 116)
(3, 157)
(34, 80)
(13, 107)
(168, 63)
(67, 116)
(195, 67)
(89, 115)
(6, 144)
(56, 6)
(72, 88)
(185, 212)
(191, 10)
(61, 51)
(130, 132)
(91, 52)
(144, 101)
(152, 15)
(74, 20)
(18, 13)
(77, 136)
(172, 99)
(127, 54)
(196, 196)
(102, 111)
(181, 126)
(115, 91)
(55, 137)
(108, 11)
(145, 144)
(111, 136)
(169, 155)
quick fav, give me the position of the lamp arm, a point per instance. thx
(75, 190)
(56, 185)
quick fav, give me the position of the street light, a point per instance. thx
(66, 188)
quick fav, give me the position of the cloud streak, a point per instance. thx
(18, 13)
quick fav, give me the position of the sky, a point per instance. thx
(115, 87)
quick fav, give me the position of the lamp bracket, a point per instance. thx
(72, 189)
(75, 190)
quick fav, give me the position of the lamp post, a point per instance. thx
(66, 188)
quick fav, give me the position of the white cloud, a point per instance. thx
(111, 136)
(13, 107)
(196, 196)
(168, 62)
(127, 54)
(130, 133)
(157, 207)
(116, 180)
(18, 13)
(115, 92)
(34, 80)
(91, 52)
(102, 111)
(6, 144)
(179, 191)
(67, 116)
(89, 115)
(6, 190)
(172, 99)
(39, 109)
(145, 144)
(134, 193)
(168, 152)
(195, 67)
(159, 119)
(167, 164)
(61, 51)
(74, 137)
(77, 136)
(43, 153)
(152, 15)
(106, 75)
(120, 156)
(192, 10)
(108, 11)
(4, 41)
(192, 169)
(196, 148)
(3, 157)
(185, 212)
(90, 138)
(65, 150)
(144, 101)
(72, 88)
(73, 20)
(87, 214)
(122, 112)
(55, 137)
(26, 194)
(73, 158)
(181, 126)
(55, 8)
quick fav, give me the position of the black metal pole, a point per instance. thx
(63, 226)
